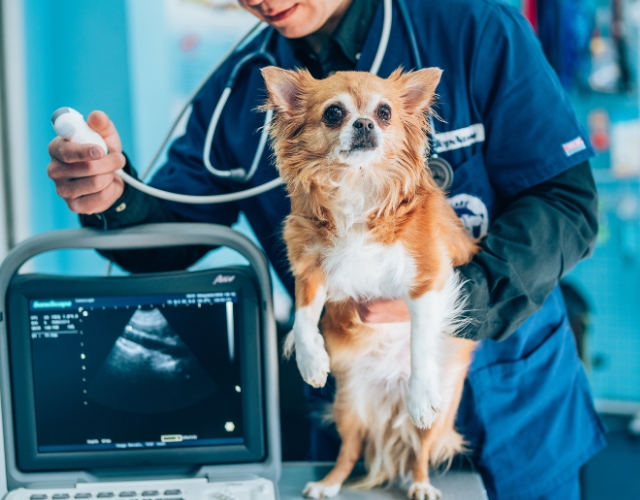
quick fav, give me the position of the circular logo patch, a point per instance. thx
(473, 213)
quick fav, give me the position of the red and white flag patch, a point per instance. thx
(574, 146)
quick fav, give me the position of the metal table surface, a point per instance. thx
(454, 485)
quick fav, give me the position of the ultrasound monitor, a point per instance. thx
(142, 370)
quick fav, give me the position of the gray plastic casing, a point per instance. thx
(145, 236)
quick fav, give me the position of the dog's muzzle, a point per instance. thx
(364, 136)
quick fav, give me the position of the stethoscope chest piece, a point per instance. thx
(441, 171)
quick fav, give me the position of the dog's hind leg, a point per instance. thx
(351, 432)
(449, 442)
(442, 442)
(421, 488)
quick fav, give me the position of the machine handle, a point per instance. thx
(137, 237)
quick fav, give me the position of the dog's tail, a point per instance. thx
(389, 452)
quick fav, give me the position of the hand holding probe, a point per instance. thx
(70, 125)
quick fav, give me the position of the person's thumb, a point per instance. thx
(100, 122)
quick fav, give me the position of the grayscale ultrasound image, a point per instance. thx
(150, 369)
(131, 370)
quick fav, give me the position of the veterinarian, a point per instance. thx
(521, 180)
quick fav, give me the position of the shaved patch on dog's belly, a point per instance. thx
(357, 267)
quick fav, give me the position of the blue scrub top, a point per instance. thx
(506, 125)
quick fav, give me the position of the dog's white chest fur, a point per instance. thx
(356, 266)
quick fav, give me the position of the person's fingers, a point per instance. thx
(363, 311)
(383, 311)
(99, 201)
(71, 152)
(70, 189)
(100, 122)
(58, 170)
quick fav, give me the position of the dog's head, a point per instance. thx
(351, 125)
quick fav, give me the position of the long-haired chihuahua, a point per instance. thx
(368, 222)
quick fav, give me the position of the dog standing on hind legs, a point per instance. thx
(368, 222)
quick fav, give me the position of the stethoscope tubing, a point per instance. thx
(243, 41)
(239, 174)
(199, 200)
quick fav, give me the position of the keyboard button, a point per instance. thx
(38, 497)
(127, 494)
(83, 495)
(172, 492)
(60, 496)
(150, 493)
(105, 494)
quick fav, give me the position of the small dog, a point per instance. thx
(368, 222)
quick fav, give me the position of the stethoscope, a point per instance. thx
(440, 168)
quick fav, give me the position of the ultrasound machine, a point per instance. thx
(145, 387)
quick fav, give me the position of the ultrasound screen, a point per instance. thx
(136, 372)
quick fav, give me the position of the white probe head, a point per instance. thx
(65, 121)
(70, 125)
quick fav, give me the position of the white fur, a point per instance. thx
(354, 264)
(387, 364)
(357, 199)
(427, 318)
(311, 356)
(377, 387)
(319, 490)
(423, 491)
(357, 267)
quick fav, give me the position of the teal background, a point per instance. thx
(76, 55)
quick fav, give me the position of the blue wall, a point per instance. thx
(76, 55)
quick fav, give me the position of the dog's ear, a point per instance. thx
(284, 88)
(420, 89)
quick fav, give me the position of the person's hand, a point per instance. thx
(84, 176)
(383, 311)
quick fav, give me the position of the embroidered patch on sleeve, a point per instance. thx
(574, 146)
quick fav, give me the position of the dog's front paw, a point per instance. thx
(320, 490)
(313, 362)
(423, 491)
(424, 403)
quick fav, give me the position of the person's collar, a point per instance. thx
(354, 26)
(349, 35)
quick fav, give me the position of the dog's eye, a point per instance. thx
(384, 113)
(333, 115)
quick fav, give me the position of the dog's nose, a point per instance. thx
(363, 124)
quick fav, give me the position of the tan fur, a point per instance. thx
(408, 208)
